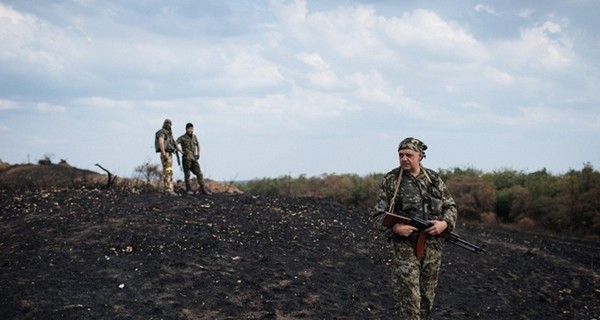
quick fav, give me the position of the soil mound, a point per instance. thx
(62, 175)
(30, 176)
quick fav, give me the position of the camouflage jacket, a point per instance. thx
(189, 145)
(424, 196)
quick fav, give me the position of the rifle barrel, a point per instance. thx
(466, 245)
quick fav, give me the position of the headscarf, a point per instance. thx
(413, 144)
(167, 124)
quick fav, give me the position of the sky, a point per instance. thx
(304, 87)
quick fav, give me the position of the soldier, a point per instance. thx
(414, 191)
(165, 144)
(191, 154)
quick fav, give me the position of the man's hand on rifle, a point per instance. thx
(404, 230)
(405, 226)
(437, 227)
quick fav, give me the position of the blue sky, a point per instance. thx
(302, 87)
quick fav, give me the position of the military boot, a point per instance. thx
(188, 187)
(204, 190)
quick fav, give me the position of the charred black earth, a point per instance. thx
(116, 254)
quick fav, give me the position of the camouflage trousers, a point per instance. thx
(414, 280)
(192, 166)
(167, 164)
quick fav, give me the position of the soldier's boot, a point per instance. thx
(203, 189)
(188, 188)
(171, 192)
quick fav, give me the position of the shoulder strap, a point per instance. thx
(427, 174)
(393, 202)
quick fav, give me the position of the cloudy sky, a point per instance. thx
(302, 87)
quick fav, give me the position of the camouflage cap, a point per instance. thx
(412, 144)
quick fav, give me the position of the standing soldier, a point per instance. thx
(165, 144)
(414, 191)
(191, 154)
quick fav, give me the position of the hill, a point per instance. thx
(62, 175)
(30, 176)
(89, 253)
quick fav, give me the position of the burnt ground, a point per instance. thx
(89, 253)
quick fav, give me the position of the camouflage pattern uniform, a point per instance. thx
(166, 160)
(414, 280)
(189, 145)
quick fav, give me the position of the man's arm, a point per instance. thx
(382, 206)
(196, 148)
(449, 211)
(442, 205)
(161, 145)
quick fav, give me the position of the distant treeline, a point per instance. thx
(565, 203)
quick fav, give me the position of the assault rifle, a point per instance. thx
(391, 219)
(178, 160)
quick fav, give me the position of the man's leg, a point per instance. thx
(199, 177)
(405, 281)
(186, 175)
(167, 163)
(429, 279)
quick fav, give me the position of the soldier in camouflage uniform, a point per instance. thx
(191, 154)
(414, 191)
(165, 144)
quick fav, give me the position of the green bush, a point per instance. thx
(558, 203)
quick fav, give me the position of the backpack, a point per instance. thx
(156, 146)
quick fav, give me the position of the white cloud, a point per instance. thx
(29, 44)
(525, 13)
(539, 47)
(7, 104)
(108, 103)
(569, 120)
(545, 115)
(246, 67)
(472, 105)
(373, 87)
(426, 30)
(50, 108)
(345, 32)
(313, 60)
(498, 76)
(323, 79)
(484, 8)
(293, 12)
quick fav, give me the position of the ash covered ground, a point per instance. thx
(82, 253)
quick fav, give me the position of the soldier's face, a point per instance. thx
(189, 130)
(409, 159)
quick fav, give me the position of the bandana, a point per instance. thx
(167, 124)
(413, 144)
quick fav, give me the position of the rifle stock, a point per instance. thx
(391, 219)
